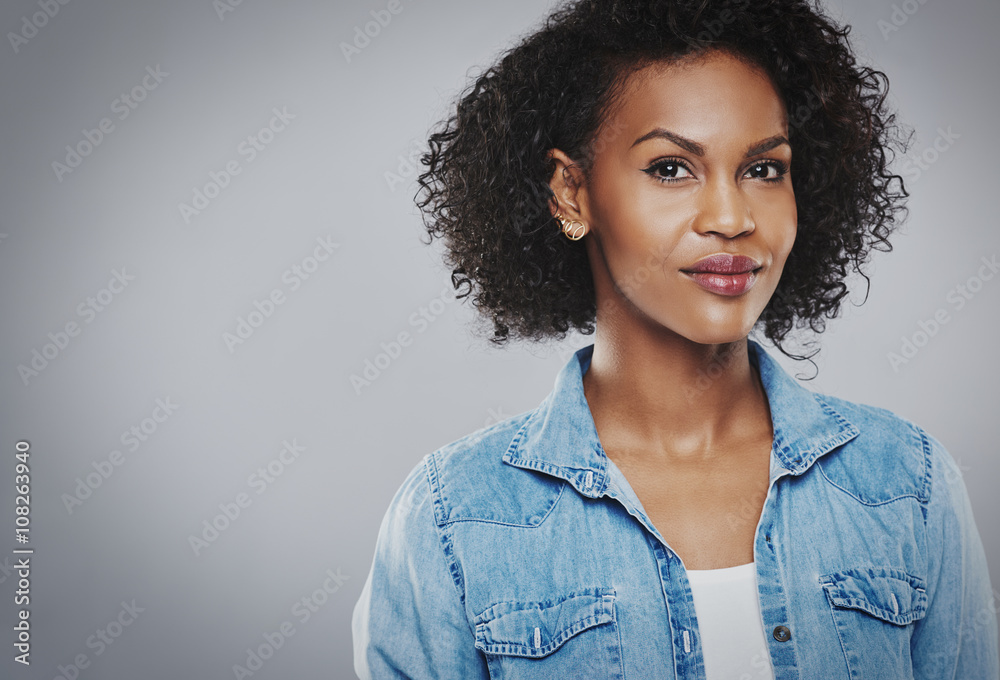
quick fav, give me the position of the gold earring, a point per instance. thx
(574, 229)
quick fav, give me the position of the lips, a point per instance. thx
(724, 263)
(724, 274)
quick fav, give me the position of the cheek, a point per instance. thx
(789, 233)
(638, 218)
(780, 218)
(633, 231)
(784, 241)
(637, 250)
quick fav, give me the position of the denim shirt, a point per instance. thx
(521, 551)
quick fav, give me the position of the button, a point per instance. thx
(782, 634)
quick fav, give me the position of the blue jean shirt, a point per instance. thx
(521, 551)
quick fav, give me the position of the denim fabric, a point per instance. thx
(521, 551)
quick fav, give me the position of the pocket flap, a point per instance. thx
(892, 595)
(536, 629)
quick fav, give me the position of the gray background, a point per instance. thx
(325, 175)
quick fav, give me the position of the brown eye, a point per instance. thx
(668, 171)
(763, 171)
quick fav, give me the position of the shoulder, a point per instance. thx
(891, 457)
(467, 480)
(464, 479)
(472, 450)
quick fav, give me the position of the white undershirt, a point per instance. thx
(732, 633)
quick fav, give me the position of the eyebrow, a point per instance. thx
(699, 150)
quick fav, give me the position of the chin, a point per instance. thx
(719, 334)
(709, 331)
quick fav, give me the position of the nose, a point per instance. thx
(723, 210)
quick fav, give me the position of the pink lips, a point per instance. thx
(724, 274)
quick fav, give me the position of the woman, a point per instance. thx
(678, 506)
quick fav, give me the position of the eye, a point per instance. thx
(762, 170)
(668, 170)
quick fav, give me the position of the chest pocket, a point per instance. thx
(573, 635)
(874, 609)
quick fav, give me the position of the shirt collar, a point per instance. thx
(560, 438)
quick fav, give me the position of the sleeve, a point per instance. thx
(957, 637)
(410, 620)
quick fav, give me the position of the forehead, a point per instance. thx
(713, 95)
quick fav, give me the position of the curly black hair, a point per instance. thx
(486, 188)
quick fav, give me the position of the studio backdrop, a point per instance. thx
(224, 344)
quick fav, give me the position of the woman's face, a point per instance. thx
(693, 164)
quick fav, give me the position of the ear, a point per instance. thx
(567, 183)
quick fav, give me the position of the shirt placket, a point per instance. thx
(778, 633)
(688, 661)
(688, 658)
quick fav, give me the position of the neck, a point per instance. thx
(659, 396)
